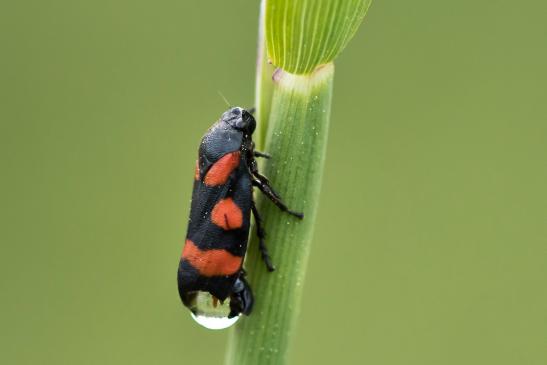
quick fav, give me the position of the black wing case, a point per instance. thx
(218, 225)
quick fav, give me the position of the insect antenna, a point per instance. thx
(224, 98)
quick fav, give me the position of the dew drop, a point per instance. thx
(209, 312)
(214, 323)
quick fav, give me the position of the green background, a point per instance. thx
(431, 243)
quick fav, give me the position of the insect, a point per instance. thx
(211, 279)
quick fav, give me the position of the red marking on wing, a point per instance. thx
(216, 262)
(196, 174)
(219, 173)
(227, 215)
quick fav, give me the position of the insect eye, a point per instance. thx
(236, 111)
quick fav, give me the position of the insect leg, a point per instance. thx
(261, 154)
(261, 242)
(262, 180)
(241, 299)
(265, 187)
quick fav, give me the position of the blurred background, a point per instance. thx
(431, 244)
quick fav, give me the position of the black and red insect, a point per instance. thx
(222, 202)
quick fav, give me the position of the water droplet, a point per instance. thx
(214, 323)
(210, 312)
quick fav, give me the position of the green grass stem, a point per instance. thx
(301, 38)
(297, 141)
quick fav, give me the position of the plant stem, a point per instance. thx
(303, 38)
(296, 139)
(264, 84)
